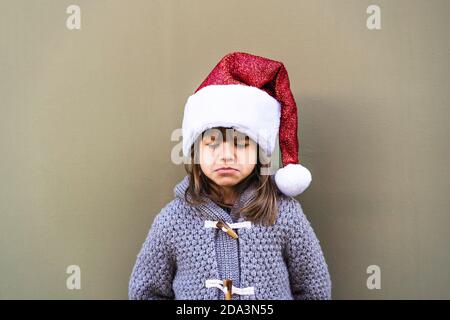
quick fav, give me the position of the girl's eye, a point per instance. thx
(241, 145)
(241, 142)
(213, 145)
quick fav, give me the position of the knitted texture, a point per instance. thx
(283, 261)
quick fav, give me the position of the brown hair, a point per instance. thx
(262, 208)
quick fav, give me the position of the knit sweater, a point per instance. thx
(185, 256)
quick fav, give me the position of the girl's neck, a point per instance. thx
(229, 195)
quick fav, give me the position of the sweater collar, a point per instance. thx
(211, 211)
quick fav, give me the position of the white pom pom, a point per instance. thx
(293, 179)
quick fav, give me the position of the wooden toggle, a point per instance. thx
(226, 228)
(228, 285)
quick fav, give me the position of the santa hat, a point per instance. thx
(251, 94)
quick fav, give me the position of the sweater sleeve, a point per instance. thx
(153, 272)
(308, 271)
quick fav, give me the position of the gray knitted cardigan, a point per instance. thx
(185, 256)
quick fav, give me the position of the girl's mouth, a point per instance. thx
(226, 170)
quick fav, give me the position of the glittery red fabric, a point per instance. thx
(270, 76)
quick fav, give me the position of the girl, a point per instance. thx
(233, 231)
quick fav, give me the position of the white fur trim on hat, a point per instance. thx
(245, 108)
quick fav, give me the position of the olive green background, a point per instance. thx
(86, 118)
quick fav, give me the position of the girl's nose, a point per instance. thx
(227, 151)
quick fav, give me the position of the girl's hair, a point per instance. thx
(262, 208)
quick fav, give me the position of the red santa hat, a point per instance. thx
(251, 94)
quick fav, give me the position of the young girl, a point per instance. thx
(233, 231)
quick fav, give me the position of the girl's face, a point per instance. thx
(220, 149)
